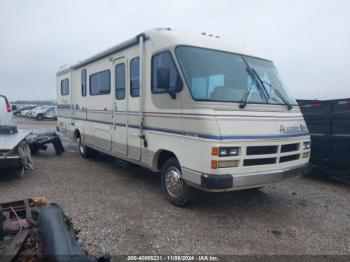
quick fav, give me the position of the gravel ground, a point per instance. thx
(121, 210)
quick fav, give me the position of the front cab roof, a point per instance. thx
(166, 37)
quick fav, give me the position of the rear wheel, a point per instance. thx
(85, 151)
(175, 188)
(39, 117)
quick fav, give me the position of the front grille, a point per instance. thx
(289, 158)
(289, 148)
(270, 154)
(261, 150)
(259, 161)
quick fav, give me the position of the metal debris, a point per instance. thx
(40, 141)
(34, 230)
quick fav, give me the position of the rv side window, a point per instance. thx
(165, 60)
(135, 77)
(65, 87)
(100, 83)
(83, 82)
(120, 81)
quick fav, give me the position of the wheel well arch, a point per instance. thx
(161, 157)
(76, 134)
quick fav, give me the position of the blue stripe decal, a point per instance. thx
(252, 137)
(213, 137)
(204, 136)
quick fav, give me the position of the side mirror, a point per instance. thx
(163, 81)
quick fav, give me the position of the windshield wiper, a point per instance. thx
(263, 82)
(246, 97)
(247, 94)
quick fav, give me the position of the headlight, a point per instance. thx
(306, 145)
(228, 151)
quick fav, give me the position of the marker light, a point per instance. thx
(214, 151)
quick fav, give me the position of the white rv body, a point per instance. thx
(152, 127)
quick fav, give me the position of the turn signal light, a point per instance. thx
(214, 164)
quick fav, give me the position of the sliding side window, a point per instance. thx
(83, 82)
(65, 87)
(100, 83)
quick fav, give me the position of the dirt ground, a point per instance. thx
(121, 209)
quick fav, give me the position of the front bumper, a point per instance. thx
(12, 162)
(222, 182)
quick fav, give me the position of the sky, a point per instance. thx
(309, 40)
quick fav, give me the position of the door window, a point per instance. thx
(135, 77)
(120, 81)
(165, 60)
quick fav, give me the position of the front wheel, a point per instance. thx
(85, 151)
(177, 191)
(39, 117)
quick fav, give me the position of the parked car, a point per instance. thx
(6, 116)
(25, 112)
(49, 112)
(31, 112)
(25, 108)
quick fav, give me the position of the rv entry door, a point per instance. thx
(120, 108)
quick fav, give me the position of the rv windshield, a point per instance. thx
(214, 75)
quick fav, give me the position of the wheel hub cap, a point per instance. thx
(173, 182)
(81, 148)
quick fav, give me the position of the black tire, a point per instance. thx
(39, 117)
(84, 151)
(181, 198)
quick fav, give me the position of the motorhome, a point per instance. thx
(190, 106)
